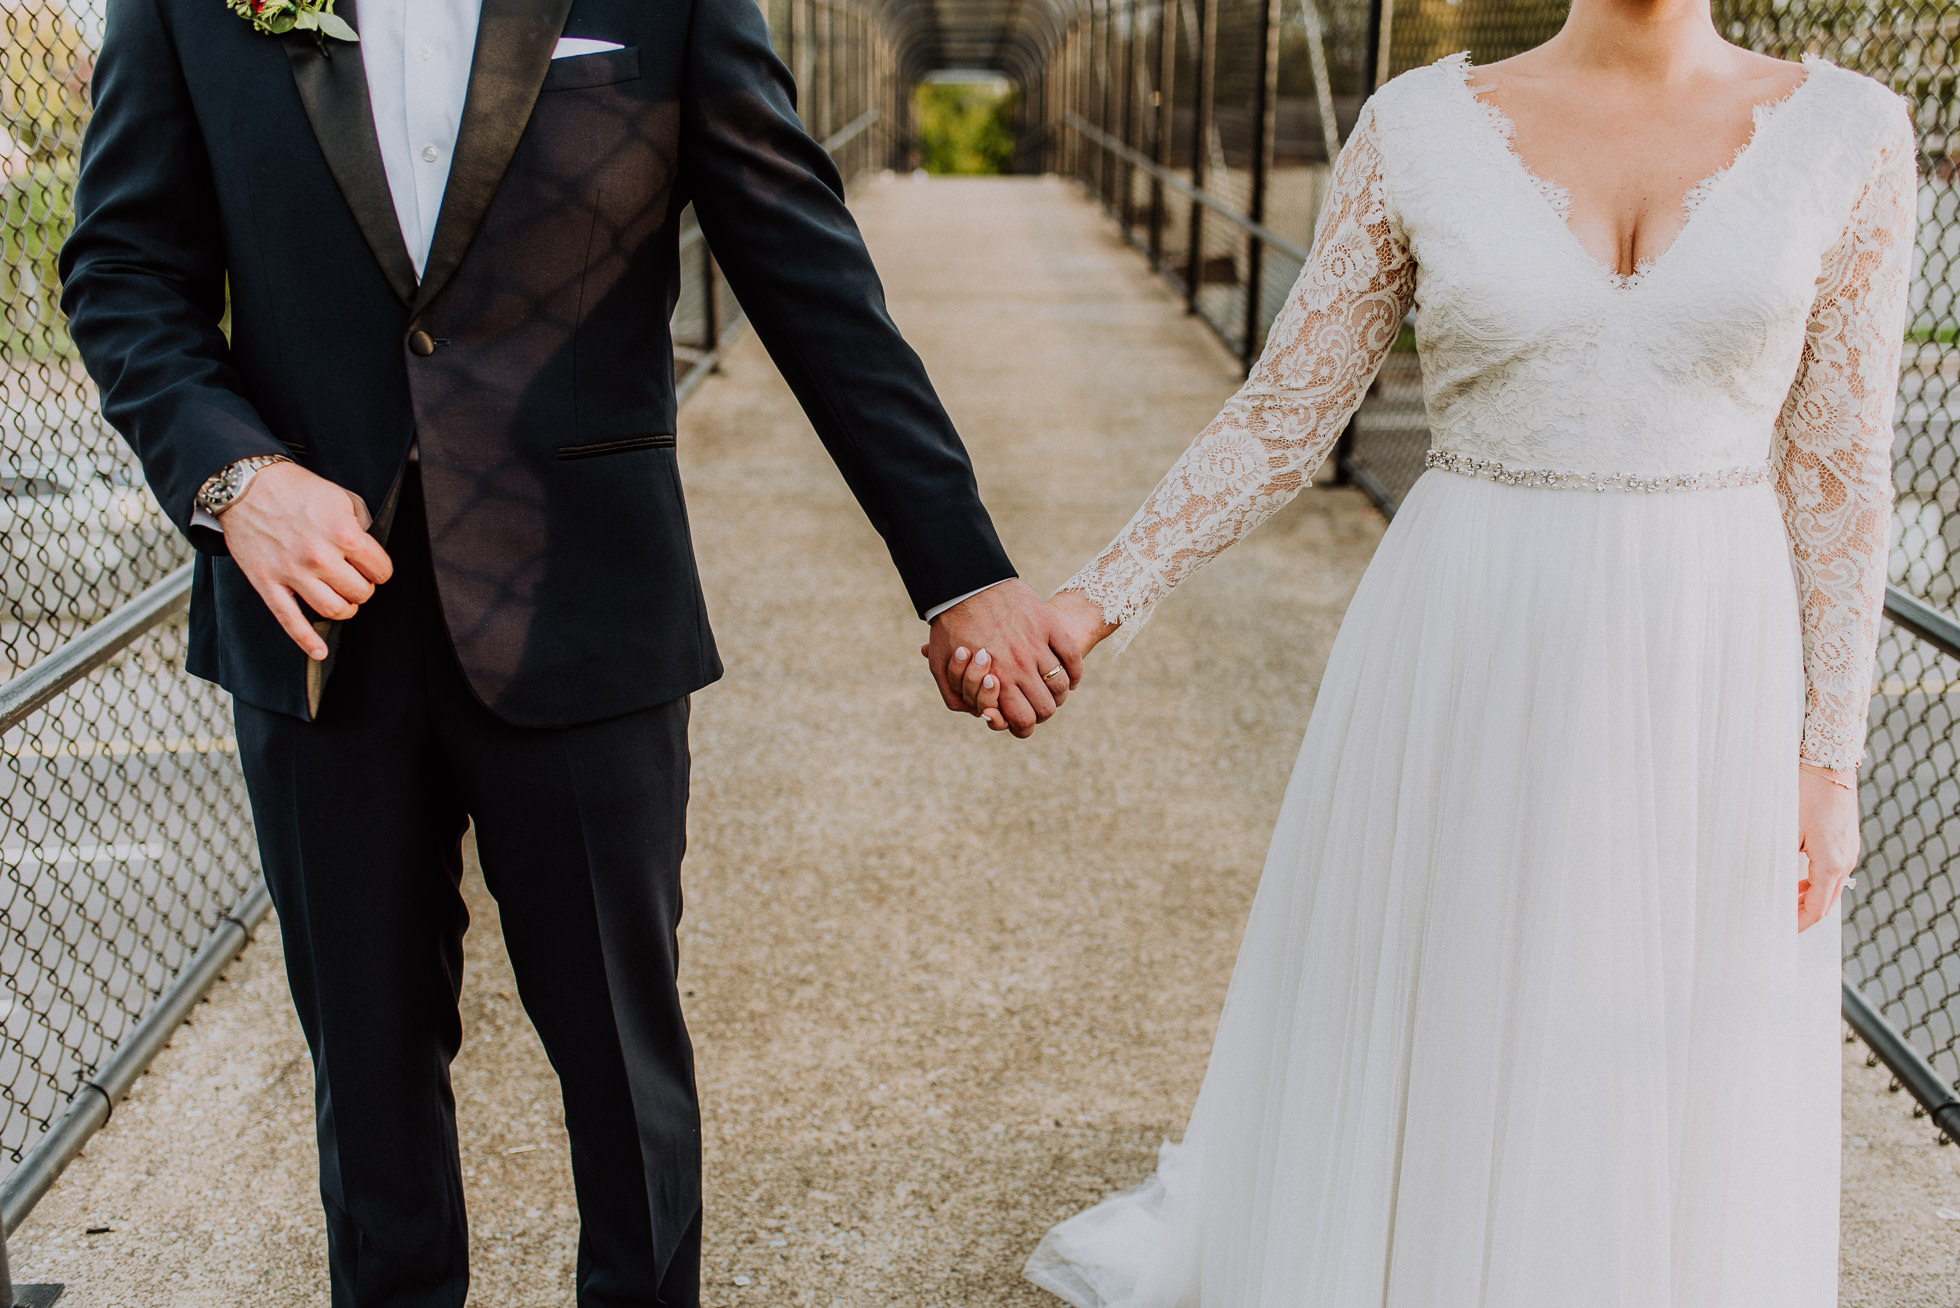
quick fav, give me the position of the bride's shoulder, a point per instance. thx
(1414, 97)
(1451, 72)
(1859, 105)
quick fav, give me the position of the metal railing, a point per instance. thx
(1205, 127)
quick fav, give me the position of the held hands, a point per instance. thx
(1827, 833)
(299, 538)
(989, 654)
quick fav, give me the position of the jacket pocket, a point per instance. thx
(601, 69)
(594, 449)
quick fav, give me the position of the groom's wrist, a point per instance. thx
(227, 486)
(938, 609)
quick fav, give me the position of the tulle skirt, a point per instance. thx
(1521, 1018)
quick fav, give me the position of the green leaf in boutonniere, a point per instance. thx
(326, 22)
(278, 17)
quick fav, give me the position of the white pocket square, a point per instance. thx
(570, 46)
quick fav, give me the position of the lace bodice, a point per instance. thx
(1763, 342)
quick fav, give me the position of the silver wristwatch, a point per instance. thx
(222, 488)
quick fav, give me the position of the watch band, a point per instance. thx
(222, 488)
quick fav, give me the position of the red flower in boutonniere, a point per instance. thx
(281, 16)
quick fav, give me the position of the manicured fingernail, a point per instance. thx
(982, 657)
(960, 653)
(987, 682)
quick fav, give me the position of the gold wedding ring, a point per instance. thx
(1050, 676)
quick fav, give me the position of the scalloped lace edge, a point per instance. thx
(1559, 196)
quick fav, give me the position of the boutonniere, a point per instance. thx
(279, 17)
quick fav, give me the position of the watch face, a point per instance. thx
(221, 492)
(228, 483)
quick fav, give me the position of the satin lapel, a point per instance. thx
(514, 40)
(333, 87)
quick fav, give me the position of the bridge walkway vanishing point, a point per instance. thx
(946, 987)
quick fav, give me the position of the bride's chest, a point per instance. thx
(1501, 273)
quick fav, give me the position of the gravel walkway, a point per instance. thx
(947, 987)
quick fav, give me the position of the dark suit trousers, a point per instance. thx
(580, 831)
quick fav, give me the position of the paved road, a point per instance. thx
(946, 987)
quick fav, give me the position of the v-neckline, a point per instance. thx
(1557, 197)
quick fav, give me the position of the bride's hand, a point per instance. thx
(1082, 619)
(1827, 833)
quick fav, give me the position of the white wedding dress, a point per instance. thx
(1522, 1018)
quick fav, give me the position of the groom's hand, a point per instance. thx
(1022, 639)
(299, 538)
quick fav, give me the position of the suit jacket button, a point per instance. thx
(420, 342)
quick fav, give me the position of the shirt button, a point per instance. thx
(424, 53)
(430, 153)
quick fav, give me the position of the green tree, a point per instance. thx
(965, 128)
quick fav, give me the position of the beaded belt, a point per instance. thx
(1552, 479)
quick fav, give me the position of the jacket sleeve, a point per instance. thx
(143, 272)
(771, 204)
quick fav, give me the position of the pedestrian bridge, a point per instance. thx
(946, 987)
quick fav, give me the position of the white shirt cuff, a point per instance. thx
(205, 518)
(938, 609)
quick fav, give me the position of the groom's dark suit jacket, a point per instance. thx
(532, 364)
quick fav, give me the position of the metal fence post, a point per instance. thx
(27, 1296)
(1374, 71)
(831, 69)
(1071, 97)
(1063, 76)
(1265, 128)
(1085, 79)
(1105, 103)
(806, 72)
(1091, 95)
(1194, 264)
(1166, 123)
(1381, 43)
(1085, 84)
(1132, 53)
(788, 38)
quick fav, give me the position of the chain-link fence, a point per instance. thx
(124, 839)
(1205, 127)
(126, 845)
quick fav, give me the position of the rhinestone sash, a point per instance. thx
(1552, 479)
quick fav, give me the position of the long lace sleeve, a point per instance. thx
(1322, 353)
(1833, 453)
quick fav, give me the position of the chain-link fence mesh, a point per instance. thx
(1258, 146)
(125, 836)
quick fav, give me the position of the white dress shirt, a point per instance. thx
(417, 56)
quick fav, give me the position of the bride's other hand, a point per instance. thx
(972, 673)
(1082, 620)
(1827, 833)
